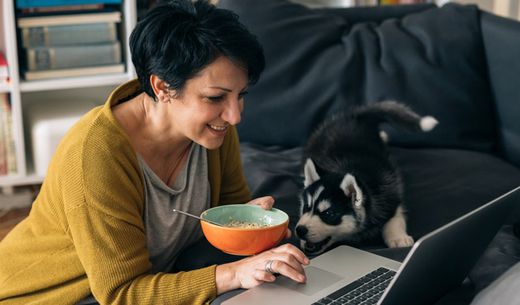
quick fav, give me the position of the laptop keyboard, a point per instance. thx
(366, 290)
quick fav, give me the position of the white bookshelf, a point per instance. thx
(23, 94)
(74, 82)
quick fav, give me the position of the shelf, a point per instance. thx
(75, 82)
(25, 95)
(13, 180)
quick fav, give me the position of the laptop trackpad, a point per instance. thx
(317, 279)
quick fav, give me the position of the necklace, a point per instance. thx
(176, 167)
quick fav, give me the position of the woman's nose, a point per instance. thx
(232, 112)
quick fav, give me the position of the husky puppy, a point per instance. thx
(352, 191)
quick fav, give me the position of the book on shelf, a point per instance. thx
(74, 72)
(69, 19)
(63, 8)
(7, 146)
(73, 56)
(41, 3)
(4, 68)
(63, 35)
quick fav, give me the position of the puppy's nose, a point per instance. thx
(301, 231)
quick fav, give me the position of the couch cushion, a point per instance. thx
(318, 63)
(304, 57)
(500, 36)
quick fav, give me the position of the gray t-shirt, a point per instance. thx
(167, 232)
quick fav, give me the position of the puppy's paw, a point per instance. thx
(399, 241)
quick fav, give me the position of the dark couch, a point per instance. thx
(456, 63)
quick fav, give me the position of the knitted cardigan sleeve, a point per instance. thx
(103, 193)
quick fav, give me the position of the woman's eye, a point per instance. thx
(241, 95)
(215, 98)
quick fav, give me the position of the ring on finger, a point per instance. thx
(269, 266)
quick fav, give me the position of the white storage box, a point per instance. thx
(46, 135)
(48, 124)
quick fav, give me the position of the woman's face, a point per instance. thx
(210, 102)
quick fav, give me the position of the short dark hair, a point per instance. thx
(177, 39)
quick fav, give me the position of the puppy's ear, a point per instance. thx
(311, 175)
(351, 189)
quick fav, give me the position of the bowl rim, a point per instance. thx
(244, 229)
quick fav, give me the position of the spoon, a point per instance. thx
(199, 218)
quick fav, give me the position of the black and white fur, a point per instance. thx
(352, 191)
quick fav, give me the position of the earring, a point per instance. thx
(163, 97)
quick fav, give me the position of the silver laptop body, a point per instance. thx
(437, 262)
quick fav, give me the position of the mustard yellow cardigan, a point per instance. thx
(85, 231)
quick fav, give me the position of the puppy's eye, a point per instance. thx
(328, 213)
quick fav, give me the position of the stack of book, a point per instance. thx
(78, 38)
(7, 146)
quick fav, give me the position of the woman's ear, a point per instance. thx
(160, 88)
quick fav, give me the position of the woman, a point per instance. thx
(102, 224)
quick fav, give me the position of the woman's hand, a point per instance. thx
(267, 203)
(286, 260)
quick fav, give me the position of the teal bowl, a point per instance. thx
(270, 228)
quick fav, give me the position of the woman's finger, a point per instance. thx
(288, 234)
(291, 261)
(264, 276)
(286, 270)
(294, 251)
(265, 202)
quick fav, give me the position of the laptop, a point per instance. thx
(437, 263)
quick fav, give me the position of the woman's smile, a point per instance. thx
(219, 130)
